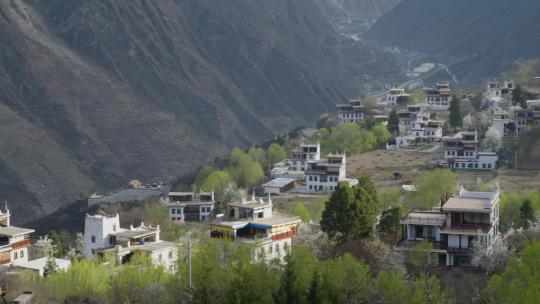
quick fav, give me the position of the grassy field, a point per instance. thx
(381, 164)
(312, 203)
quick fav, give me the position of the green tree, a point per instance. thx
(519, 97)
(55, 238)
(455, 117)
(391, 287)
(381, 134)
(243, 169)
(351, 212)
(526, 214)
(421, 257)
(259, 155)
(432, 187)
(202, 174)
(389, 225)
(301, 211)
(518, 283)
(346, 280)
(393, 123)
(276, 153)
(217, 181)
(315, 291)
(417, 96)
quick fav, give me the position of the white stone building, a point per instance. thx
(303, 156)
(438, 98)
(452, 229)
(104, 238)
(188, 206)
(324, 175)
(461, 152)
(396, 96)
(252, 223)
(351, 112)
(14, 241)
(417, 127)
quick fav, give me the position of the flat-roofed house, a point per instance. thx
(461, 152)
(252, 223)
(324, 175)
(353, 111)
(188, 206)
(103, 237)
(279, 185)
(396, 96)
(467, 217)
(438, 98)
(14, 241)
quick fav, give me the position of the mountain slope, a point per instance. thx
(480, 38)
(355, 16)
(95, 93)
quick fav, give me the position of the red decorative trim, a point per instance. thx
(21, 244)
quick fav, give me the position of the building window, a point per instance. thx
(483, 166)
(22, 253)
(15, 254)
(113, 227)
(179, 211)
(310, 187)
(93, 239)
(489, 166)
(170, 254)
(173, 211)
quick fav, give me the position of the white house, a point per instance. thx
(103, 237)
(303, 156)
(252, 223)
(417, 127)
(461, 152)
(38, 265)
(324, 176)
(188, 206)
(396, 96)
(351, 112)
(438, 98)
(452, 229)
(14, 241)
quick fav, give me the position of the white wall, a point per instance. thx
(99, 227)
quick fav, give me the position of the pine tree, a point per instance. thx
(351, 213)
(288, 293)
(455, 118)
(393, 123)
(315, 292)
(55, 238)
(526, 214)
(518, 97)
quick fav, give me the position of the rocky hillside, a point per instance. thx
(95, 93)
(354, 17)
(478, 39)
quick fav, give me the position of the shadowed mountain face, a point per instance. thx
(479, 39)
(95, 93)
(355, 16)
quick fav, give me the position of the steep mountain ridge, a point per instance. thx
(478, 39)
(95, 93)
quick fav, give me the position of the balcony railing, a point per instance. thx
(466, 227)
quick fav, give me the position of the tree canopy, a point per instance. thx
(351, 212)
(276, 153)
(432, 188)
(455, 118)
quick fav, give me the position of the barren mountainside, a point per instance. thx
(478, 39)
(95, 93)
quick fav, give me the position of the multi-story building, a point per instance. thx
(452, 229)
(351, 112)
(104, 238)
(188, 206)
(461, 152)
(495, 90)
(528, 118)
(396, 96)
(14, 241)
(303, 156)
(503, 124)
(324, 175)
(417, 127)
(252, 223)
(438, 98)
